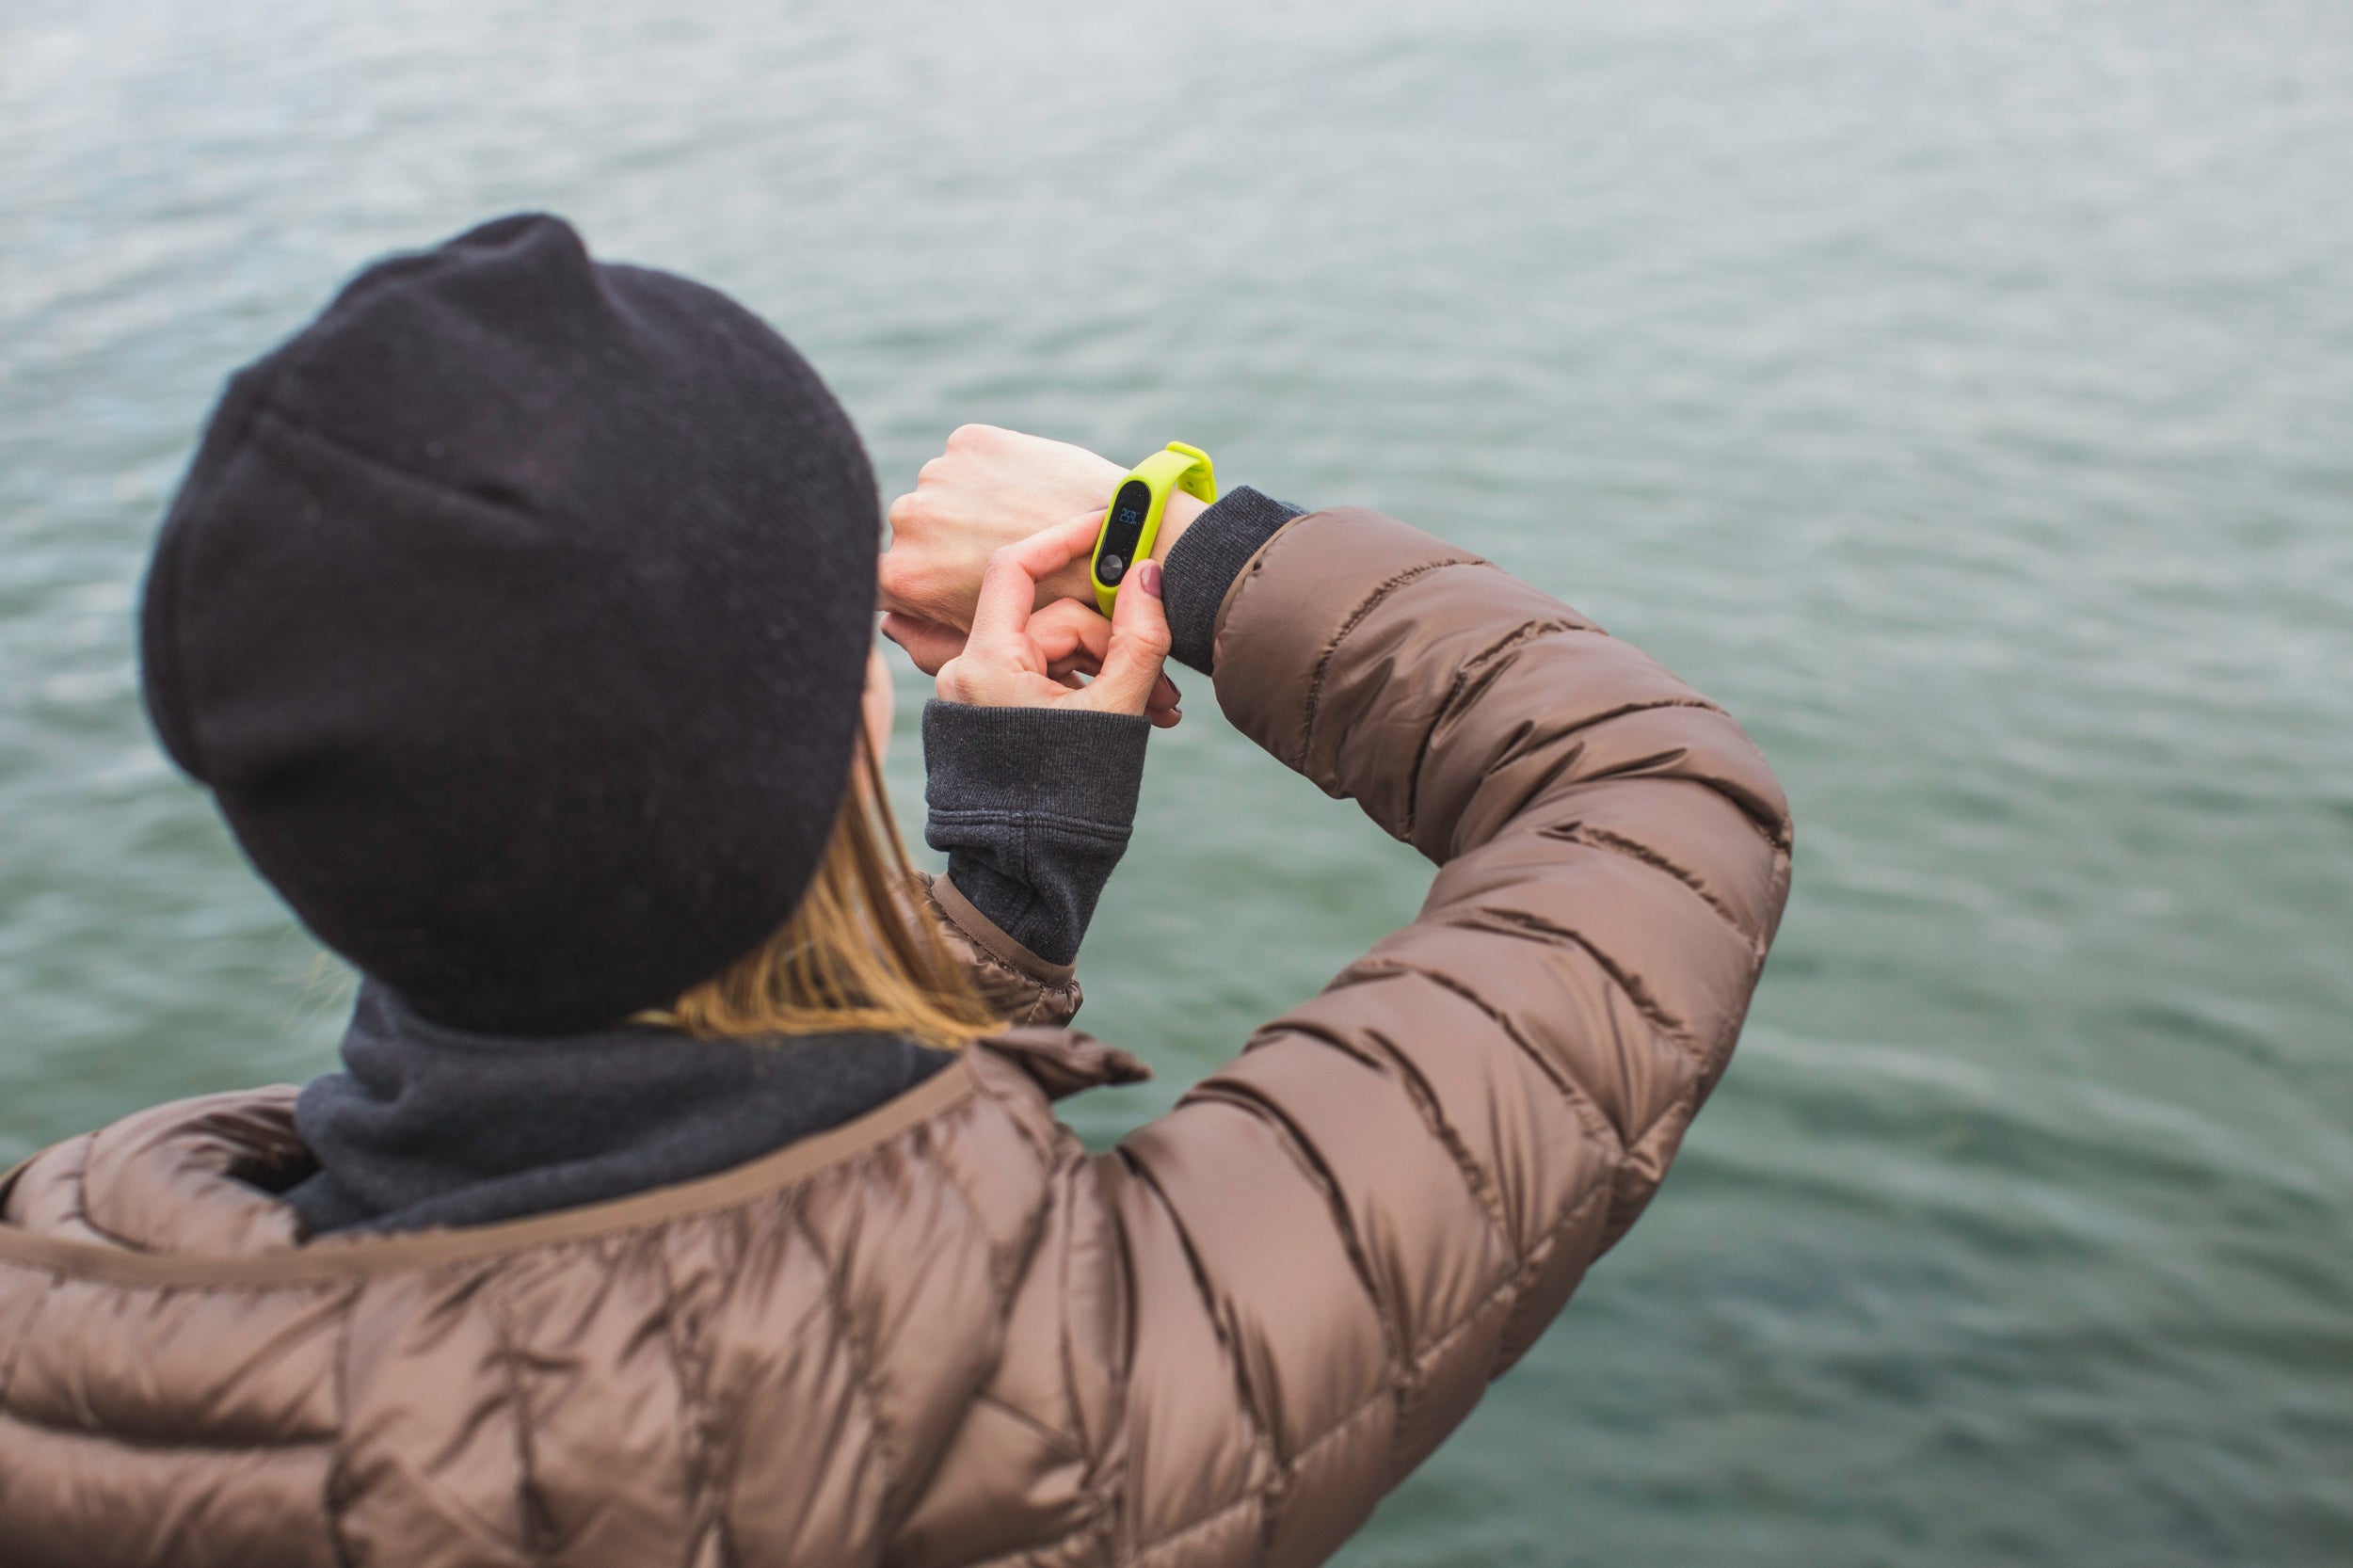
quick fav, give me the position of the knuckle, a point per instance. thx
(966, 437)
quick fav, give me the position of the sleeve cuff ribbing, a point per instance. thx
(1205, 563)
(1034, 807)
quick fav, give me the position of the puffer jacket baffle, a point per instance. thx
(944, 1334)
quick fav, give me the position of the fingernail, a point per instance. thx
(1148, 577)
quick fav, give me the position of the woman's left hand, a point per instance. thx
(1010, 658)
(1071, 635)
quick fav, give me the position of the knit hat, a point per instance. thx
(514, 612)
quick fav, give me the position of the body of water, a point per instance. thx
(1961, 392)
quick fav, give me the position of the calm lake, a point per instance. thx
(1960, 392)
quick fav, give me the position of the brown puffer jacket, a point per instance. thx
(944, 1334)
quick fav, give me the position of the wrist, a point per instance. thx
(1072, 582)
(1182, 511)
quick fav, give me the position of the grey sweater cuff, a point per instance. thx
(1034, 807)
(1205, 563)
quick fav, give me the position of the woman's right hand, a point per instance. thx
(1010, 657)
(990, 488)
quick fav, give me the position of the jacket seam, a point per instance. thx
(1253, 1416)
(1060, 1440)
(1506, 1289)
(535, 1542)
(1194, 1526)
(1372, 601)
(1556, 789)
(862, 1373)
(15, 1355)
(338, 1469)
(1478, 666)
(1328, 1188)
(1531, 927)
(9, 1180)
(1476, 1180)
(1648, 705)
(114, 1437)
(1616, 844)
(80, 1201)
(1689, 1095)
(1066, 1217)
(1605, 1188)
(1679, 1038)
(1013, 1113)
(1718, 1056)
(1002, 1264)
(1265, 1494)
(1034, 1551)
(1582, 1105)
(697, 1428)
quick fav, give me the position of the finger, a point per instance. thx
(1067, 628)
(1009, 585)
(1001, 616)
(927, 642)
(1162, 706)
(1139, 645)
(1074, 637)
(1074, 540)
(1047, 551)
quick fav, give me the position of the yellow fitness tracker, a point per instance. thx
(1133, 521)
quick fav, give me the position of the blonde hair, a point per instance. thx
(863, 951)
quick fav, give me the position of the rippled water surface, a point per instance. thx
(1963, 392)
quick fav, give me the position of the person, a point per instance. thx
(691, 1190)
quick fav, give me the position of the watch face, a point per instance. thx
(1118, 548)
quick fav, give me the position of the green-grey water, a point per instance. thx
(1961, 392)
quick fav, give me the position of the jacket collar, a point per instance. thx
(429, 1125)
(168, 1195)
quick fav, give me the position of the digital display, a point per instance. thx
(1118, 549)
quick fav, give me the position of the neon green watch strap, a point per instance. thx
(1133, 521)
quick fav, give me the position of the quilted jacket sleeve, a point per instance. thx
(1332, 1244)
(1019, 985)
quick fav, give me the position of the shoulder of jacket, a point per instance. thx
(167, 1197)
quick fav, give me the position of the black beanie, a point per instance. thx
(515, 611)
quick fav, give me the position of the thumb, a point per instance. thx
(1139, 645)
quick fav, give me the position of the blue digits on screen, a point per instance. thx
(1128, 510)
